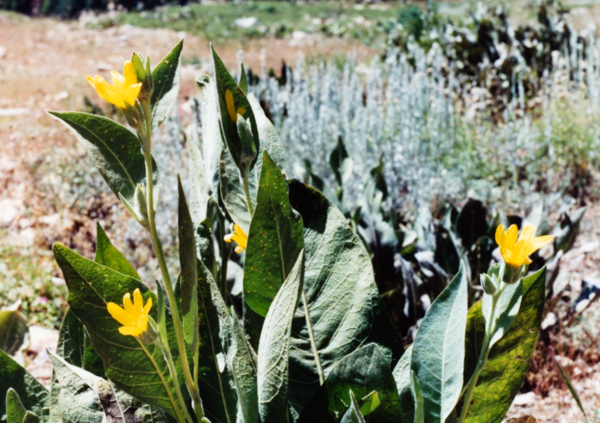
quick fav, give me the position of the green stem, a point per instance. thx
(169, 359)
(312, 341)
(176, 407)
(160, 256)
(248, 198)
(483, 357)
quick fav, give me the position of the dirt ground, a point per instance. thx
(42, 67)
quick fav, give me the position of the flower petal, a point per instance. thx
(127, 304)
(510, 237)
(527, 233)
(538, 242)
(500, 236)
(138, 302)
(118, 80)
(131, 93)
(147, 307)
(119, 314)
(130, 74)
(230, 105)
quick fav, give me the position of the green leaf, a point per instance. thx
(32, 394)
(211, 143)
(71, 340)
(165, 76)
(274, 348)
(507, 308)
(189, 273)
(369, 403)
(114, 149)
(15, 411)
(353, 414)
(31, 418)
(343, 301)
(509, 359)
(199, 189)
(402, 375)
(439, 350)
(13, 331)
(572, 390)
(109, 256)
(138, 369)
(269, 138)
(215, 376)
(275, 239)
(364, 371)
(243, 80)
(224, 81)
(232, 192)
(419, 406)
(241, 358)
(73, 396)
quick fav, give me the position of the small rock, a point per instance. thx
(58, 281)
(246, 22)
(103, 67)
(524, 399)
(50, 220)
(63, 95)
(9, 210)
(14, 111)
(549, 320)
(2, 51)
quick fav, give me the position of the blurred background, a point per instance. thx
(426, 123)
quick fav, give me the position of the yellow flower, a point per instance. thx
(231, 107)
(125, 89)
(515, 251)
(239, 236)
(133, 316)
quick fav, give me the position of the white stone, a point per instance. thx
(246, 22)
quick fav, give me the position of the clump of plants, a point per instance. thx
(305, 337)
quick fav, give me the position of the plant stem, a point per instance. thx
(176, 407)
(248, 198)
(311, 335)
(160, 256)
(483, 357)
(169, 359)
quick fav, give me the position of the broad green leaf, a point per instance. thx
(138, 369)
(225, 82)
(189, 273)
(232, 192)
(13, 331)
(362, 372)
(418, 396)
(15, 411)
(215, 377)
(211, 142)
(243, 80)
(71, 340)
(403, 378)
(344, 306)
(269, 138)
(199, 189)
(369, 403)
(114, 149)
(509, 359)
(31, 417)
(109, 256)
(353, 414)
(274, 349)
(32, 394)
(275, 239)
(73, 397)
(241, 358)
(572, 390)
(166, 77)
(506, 310)
(439, 350)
